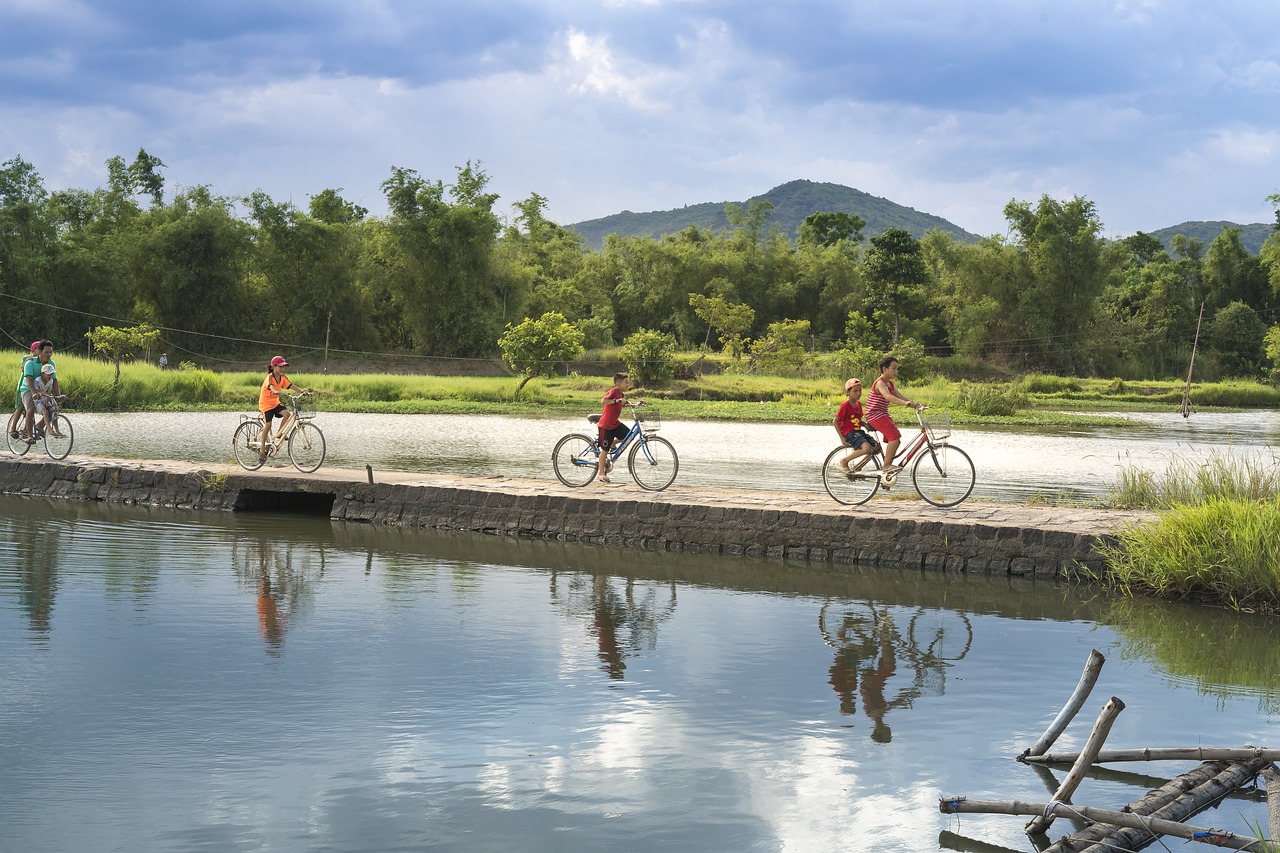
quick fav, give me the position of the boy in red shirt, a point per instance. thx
(611, 428)
(848, 424)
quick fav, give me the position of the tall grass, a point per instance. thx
(1225, 549)
(1232, 475)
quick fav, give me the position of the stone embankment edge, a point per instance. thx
(993, 539)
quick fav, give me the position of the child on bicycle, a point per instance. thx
(46, 387)
(20, 408)
(882, 393)
(269, 401)
(848, 424)
(611, 428)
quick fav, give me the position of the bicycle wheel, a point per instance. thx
(575, 459)
(306, 447)
(245, 445)
(59, 446)
(943, 475)
(851, 489)
(653, 463)
(18, 445)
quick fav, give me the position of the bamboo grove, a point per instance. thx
(445, 271)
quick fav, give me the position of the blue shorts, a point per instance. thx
(855, 438)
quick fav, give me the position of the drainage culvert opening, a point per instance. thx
(306, 503)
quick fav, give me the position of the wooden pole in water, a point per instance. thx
(1088, 678)
(1272, 777)
(1217, 838)
(1037, 825)
(1195, 753)
(1185, 408)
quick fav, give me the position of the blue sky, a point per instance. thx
(1157, 111)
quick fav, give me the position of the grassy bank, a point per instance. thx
(1030, 400)
(1217, 536)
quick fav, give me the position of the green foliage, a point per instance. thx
(729, 320)
(783, 348)
(1272, 345)
(1044, 383)
(985, 400)
(649, 356)
(1237, 335)
(1223, 548)
(532, 347)
(118, 344)
(1225, 474)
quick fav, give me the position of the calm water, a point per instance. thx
(1012, 464)
(232, 682)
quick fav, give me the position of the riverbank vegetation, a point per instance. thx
(1217, 535)
(445, 272)
(1035, 399)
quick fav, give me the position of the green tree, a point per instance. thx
(650, 356)
(191, 268)
(28, 242)
(1232, 274)
(532, 347)
(828, 229)
(896, 278)
(729, 320)
(1272, 346)
(782, 348)
(118, 344)
(1060, 246)
(1236, 337)
(436, 256)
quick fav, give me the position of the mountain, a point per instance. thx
(1251, 236)
(792, 202)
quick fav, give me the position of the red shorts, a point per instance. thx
(886, 427)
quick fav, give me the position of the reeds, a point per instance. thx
(1234, 474)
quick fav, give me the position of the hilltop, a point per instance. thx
(792, 202)
(1251, 236)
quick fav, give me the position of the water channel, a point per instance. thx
(1014, 464)
(194, 681)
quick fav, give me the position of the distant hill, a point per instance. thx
(1251, 236)
(792, 202)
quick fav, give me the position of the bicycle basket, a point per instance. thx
(305, 406)
(938, 426)
(648, 417)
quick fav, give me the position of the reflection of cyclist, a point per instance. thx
(271, 622)
(865, 661)
(608, 614)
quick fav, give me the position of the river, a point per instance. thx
(1014, 464)
(249, 682)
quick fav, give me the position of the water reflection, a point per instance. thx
(869, 646)
(1226, 654)
(227, 681)
(623, 614)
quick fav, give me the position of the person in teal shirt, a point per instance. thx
(30, 371)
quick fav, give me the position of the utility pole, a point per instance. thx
(327, 324)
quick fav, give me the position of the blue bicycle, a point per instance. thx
(652, 461)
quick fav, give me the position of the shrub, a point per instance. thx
(649, 356)
(989, 400)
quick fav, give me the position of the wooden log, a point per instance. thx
(1088, 678)
(1199, 753)
(954, 841)
(1272, 777)
(1040, 823)
(1216, 838)
(1178, 801)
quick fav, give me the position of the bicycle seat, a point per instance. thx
(595, 419)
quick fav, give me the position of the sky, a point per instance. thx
(1158, 111)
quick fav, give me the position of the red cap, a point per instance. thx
(851, 383)
(279, 361)
(35, 346)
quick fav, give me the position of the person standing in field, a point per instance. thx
(882, 394)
